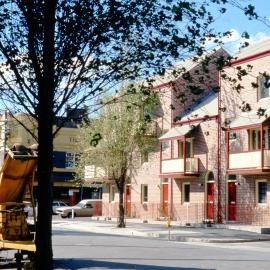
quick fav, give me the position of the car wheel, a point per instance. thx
(62, 216)
(69, 215)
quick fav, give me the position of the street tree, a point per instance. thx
(117, 138)
(59, 52)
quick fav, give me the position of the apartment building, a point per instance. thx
(245, 101)
(180, 179)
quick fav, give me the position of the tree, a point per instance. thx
(118, 136)
(56, 52)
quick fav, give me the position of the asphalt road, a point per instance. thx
(85, 250)
(94, 251)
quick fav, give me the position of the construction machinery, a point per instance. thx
(17, 176)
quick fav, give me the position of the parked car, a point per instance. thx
(57, 204)
(85, 208)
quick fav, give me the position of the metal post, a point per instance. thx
(160, 162)
(184, 156)
(262, 149)
(219, 212)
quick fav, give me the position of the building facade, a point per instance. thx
(180, 179)
(65, 153)
(245, 117)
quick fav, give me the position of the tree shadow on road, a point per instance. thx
(72, 264)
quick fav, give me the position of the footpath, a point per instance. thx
(159, 229)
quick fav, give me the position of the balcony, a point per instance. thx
(248, 144)
(250, 161)
(181, 167)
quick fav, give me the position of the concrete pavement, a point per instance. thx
(158, 229)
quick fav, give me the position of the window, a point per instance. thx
(232, 177)
(261, 191)
(144, 192)
(180, 145)
(112, 193)
(189, 148)
(71, 160)
(233, 135)
(144, 157)
(165, 180)
(88, 205)
(255, 139)
(186, 193)
(263, 86)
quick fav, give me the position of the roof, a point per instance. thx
(177, 132)
(187, 64)
(205, 106)
(249, 119)
(254, 49)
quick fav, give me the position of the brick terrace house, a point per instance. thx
(246, 117)
(180, 178)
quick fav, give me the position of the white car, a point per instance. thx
(83, 209)
(57, 204)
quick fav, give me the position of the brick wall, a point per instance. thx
(247, 210)
(205, 149)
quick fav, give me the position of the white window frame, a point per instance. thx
(191, 141)
(266, 131)
(113, 191)
(257, 191)
(144, 197)
(180, 146)
(70, 161)
(184, 184)
(261, 87)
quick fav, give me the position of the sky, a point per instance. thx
(235, 21)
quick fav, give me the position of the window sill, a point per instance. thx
(262, 204)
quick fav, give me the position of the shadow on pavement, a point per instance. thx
(72, 264)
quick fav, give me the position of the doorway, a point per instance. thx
(128, 201)
(165, 199)
(231, 201)
(210, 200)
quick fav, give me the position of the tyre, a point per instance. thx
(69, 215)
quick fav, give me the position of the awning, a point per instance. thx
(178, 132)
(249, 119)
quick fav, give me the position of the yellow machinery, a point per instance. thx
(16, 179)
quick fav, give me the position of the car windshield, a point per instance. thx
(80, 204)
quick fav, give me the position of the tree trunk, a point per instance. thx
(121, 188)
(45, 114)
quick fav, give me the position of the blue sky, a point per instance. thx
(237, 22)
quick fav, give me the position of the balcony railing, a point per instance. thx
(177, 165)
(245, 160)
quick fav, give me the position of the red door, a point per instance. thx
(231, 201)
(165, 199)
(128, 201)
(210, 200)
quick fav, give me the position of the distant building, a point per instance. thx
(65, 152)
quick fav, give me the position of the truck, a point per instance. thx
(17, 175)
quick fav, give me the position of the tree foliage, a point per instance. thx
(59, 52)
(117, 138)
